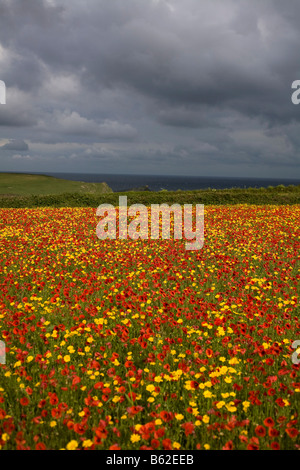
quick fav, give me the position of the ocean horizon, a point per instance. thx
(126, 182)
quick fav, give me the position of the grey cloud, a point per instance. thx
(190, 80)
(19, 145)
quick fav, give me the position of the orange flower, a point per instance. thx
(209, 352)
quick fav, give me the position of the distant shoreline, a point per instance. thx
(36, 190)
(126, 182)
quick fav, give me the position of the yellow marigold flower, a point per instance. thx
(67, 358)
(87, 443)
(150, 388)
(230, 406)
(246, 405)
(176, 445)
(205, 419)
(220, 404)
(52, 424)
(158, 379)
(135, 437)
(179, 416)
(72, 445)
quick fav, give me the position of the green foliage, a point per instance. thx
(280, 195)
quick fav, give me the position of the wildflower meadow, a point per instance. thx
(141, 344)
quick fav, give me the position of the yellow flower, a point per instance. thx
(72, 445)
(220, 404)
(205, 419)
(135, 437)
(67, 358)
(87, 443)
(246, 405)
(158, 379)
(230, 406)
(52, 424)
(179, 416)
(176, 445)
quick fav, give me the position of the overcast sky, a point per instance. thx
(183, 87)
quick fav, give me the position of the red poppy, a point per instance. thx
(228, 446)
(154, 443)
(167, 444)
(24, 401)
(53, 399)
(159, 433)
(166, 416)
(275, 445)
(292, 432)
(252, 447)
(273, 432)
(280, 402)
(115, 447)
(260, 431)
(188, 428)
(40, 446)
(56, 412)
(269, 422)
(79, 428)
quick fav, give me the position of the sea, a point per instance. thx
(173, 183)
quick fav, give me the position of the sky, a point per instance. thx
(169, 87)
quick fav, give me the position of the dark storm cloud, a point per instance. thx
(204, 82)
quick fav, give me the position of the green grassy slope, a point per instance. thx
(27, 184)
(27, 190)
